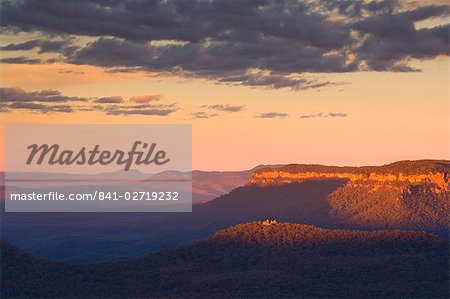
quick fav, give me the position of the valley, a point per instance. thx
(329, 202)
(250, 260)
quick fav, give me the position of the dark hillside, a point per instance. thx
(257, 259)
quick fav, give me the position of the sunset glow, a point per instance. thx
(358, 117)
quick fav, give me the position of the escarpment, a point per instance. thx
(434, 174)
(402, 195)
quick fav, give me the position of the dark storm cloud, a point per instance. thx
(17, 94)
(272, 115)
(191, 21)
(224, 40)
(221, 60)
(52, 46)
(392, 39)
(388, 53)
(357, 9)
(116, 52)
(43, 46)
(20, 60)
(224, 108)
(28, 45)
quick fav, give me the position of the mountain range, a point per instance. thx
(406, 195)
(206, 185)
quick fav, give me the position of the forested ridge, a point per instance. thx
(259, 259)
(406, 167)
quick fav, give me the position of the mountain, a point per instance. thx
(87, 237)
(271, 233)
(258, 259)
(401, 195)
(206, 185)
(407, 168)
(323, 196)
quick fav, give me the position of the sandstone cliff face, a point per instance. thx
(438, 182)
(403, 195)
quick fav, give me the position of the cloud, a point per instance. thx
(337, 114)
(151, 110)
(47, 101)
(322, 114)
(38, 107)
(17, 94)
(271, 80)
(223, 62)
(392, 39)
(146, 98)
(203, 115)
(226, 41)
(43, 46)
(272, 115)
(313, 115)
(224, 108)
(69, 71)
(20, 60)
(15, 98)
(129, 70)
(116, 53)
(109, 100)
(28, 45)
(175, 20)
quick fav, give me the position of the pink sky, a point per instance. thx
(363, 117)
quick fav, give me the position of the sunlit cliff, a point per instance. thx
(404, 195)
(435, 174)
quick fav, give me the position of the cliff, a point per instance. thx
(401, 195)
(434, 174)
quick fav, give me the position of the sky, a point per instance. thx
(261, 81)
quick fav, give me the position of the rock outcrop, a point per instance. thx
(434, 174)
(401, 195)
